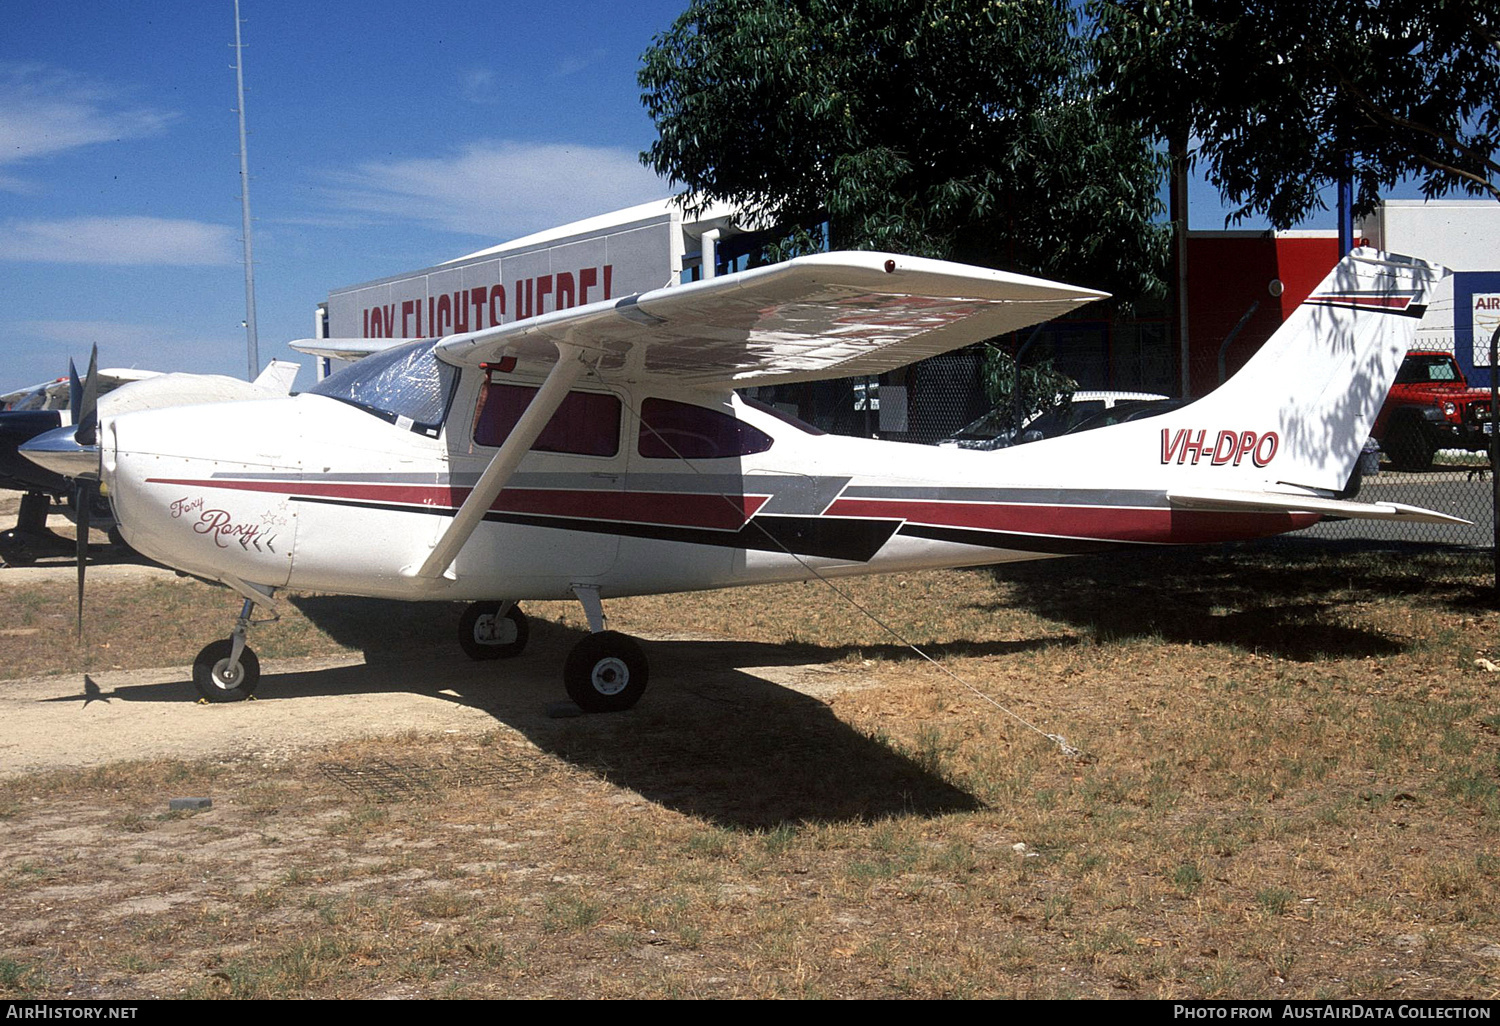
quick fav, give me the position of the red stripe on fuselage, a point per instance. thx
(1106, 523)
(714, 512)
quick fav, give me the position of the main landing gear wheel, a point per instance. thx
(486, 633)
(605, 672)
(217, 681)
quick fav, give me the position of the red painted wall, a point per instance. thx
(1227, 272)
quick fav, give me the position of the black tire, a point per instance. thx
(1408, 447)
(1351, 486)
(212, 682)
(484, 634)
(14, 551)
(606, 672)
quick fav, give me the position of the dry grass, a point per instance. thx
(1291, 789)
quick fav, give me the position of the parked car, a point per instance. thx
(1430, 407)
(1124, 412)
(995, 429)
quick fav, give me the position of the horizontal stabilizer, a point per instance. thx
(1232, 500)
(278, 376)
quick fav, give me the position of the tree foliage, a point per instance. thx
(1277, 95)
(1043, 386)
(962, 129)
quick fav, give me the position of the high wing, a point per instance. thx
(347, 348)
(57, 390)
(823, 316)
(6, 398)
(182, 389)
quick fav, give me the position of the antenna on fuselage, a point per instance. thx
(252, 343)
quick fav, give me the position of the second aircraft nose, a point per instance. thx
(60, 452)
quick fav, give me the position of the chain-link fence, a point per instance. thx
(1430, 448)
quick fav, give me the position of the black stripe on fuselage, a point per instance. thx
(842, 538)
(1010, 541)
(855, 541)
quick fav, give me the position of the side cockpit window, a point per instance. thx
(673, 430)
(405, 385)
(586, 424)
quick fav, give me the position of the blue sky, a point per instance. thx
(384, 137)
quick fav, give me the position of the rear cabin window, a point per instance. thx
(672, 430)
(586, 424)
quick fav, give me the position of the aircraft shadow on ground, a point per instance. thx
(708, 739)
(389, 629)
(716, 742)
(1281, 601)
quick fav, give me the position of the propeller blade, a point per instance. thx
(86, 416)
(84, 499)
(75, 390)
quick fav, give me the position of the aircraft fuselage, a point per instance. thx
(316, 494)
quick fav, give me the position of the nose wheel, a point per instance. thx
(228, 670)
(221, 678)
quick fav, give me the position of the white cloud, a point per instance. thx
(578, 62)
(44, 111)
(127, 240)
(499, 188)
(478, 85)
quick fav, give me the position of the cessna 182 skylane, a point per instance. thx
(601, 451)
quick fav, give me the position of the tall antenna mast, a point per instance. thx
(252, 343)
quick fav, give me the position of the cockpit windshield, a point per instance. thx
(36, 399)
(406, 385)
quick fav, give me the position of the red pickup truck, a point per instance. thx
(1432, 407)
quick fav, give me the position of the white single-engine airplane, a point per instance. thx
(601, 451)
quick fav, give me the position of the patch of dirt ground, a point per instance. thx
(80, 720)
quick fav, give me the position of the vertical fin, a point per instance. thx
(1319, 381)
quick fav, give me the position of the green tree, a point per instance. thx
(1043, 387)
(1280, 96)
(962, 129)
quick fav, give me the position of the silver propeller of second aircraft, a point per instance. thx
(73, 452)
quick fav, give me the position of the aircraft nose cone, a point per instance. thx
(58, 451)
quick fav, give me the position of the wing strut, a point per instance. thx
(503, 464)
